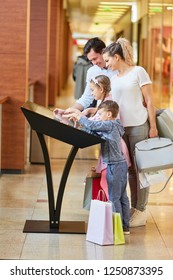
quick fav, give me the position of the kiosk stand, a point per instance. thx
(42, 121)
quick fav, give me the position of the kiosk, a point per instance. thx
(43, 122)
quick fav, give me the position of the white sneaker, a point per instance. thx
(139, 218)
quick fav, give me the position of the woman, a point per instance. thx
(131, 88)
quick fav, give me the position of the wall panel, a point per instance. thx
(13, 77)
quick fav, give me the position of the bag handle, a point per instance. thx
(101, 192)
(167, 181)
(137, 171)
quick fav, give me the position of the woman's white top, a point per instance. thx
(126, 91)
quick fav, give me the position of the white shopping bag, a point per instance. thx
(156, 177)
(147, 179)
(100, 224)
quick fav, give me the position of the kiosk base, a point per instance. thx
(32, 226)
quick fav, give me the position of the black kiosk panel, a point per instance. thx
(43, 122)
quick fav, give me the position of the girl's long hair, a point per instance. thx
(104, 82)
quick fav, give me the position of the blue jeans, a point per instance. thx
(117, 181)
(134, 134)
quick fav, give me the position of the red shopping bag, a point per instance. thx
(96, 187)
(92, 188)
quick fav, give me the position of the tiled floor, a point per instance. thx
(24, 197)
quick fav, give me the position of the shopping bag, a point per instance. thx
(154, 154)
(92, 188)
(147, 179)
(96, 187)
(87, 194)
(103, 182)
(100, 223)
(118, 233)
(164, 120)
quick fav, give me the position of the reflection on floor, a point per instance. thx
(24, 197)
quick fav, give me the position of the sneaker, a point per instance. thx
(139, 218)
(126, 231)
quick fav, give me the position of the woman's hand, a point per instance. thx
(153, 132)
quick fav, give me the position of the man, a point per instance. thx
(93, 51)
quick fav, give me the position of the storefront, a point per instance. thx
(155, 52)
(149, 26)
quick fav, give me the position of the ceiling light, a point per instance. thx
(107, 9)
(134, 13)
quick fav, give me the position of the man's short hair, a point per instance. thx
(96, 44)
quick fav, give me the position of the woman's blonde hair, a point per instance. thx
(123, 48)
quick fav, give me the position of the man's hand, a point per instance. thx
(58, 111)
(71, 110)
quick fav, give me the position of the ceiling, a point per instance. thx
(90, 18)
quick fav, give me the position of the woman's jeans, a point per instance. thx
(116, 176)
(139, 197)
